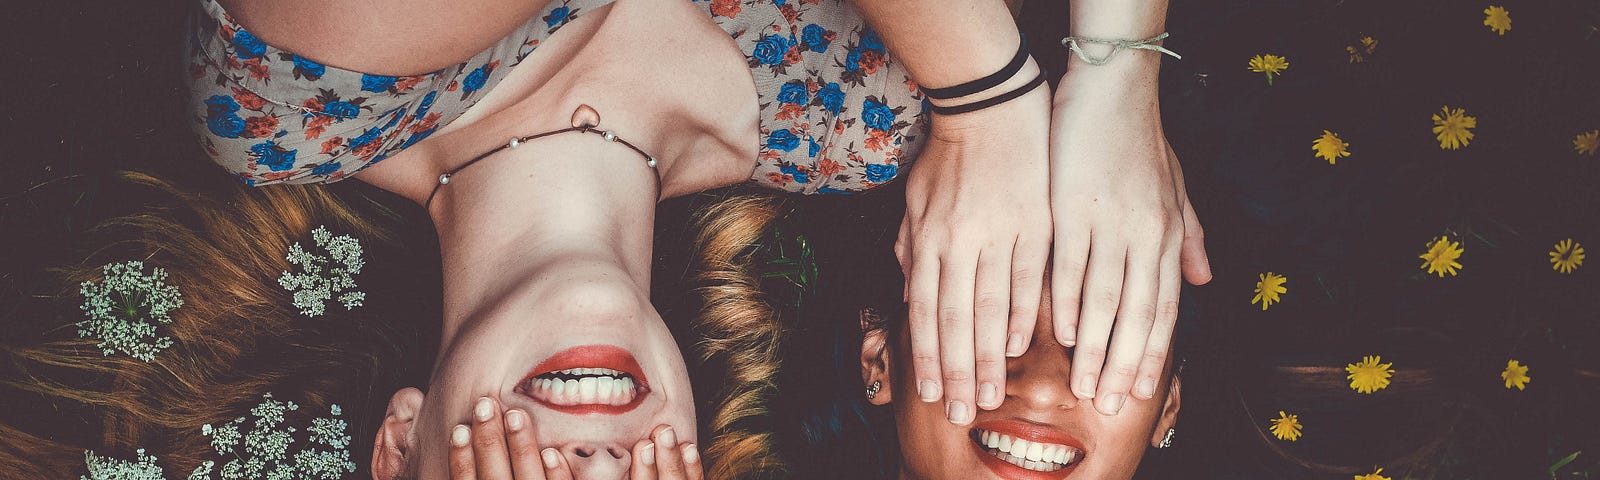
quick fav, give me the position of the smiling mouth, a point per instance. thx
(591, 379)
(1029, 455)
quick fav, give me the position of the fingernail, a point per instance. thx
(1146, 388)
(1014, 345)
(552, 459)
(483, 410)
(691, 455)
(1086, 385)
(667, 437)
(956, 411)
(459, 436)
(514, 420)
(1113, 404)
(928, 390)
(1067, 341)
(988, 396)
(648, 455)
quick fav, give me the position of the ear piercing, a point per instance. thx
(872, 390)
(1166, 441)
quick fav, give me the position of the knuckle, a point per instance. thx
(1092, 354)
(957, 376)
(1026, 275)
(1168, 310)
(1123, 369)
(918, 309)
(951, 315)
(1022, 313)
(927, 361)
(991, 302)
(989, 363)
(1155, 357)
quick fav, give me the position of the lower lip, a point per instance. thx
(1006, 470)
(592, 356)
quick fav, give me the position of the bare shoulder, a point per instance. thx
(387, 37)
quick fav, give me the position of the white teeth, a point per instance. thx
(586, 391)
(594, 386)
(603, 389)
(557, 388)
(1043, 457)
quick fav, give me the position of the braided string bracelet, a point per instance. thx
(1117, 45)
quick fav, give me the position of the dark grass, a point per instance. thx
(92, 88)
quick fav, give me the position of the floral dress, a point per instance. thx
(837, 113)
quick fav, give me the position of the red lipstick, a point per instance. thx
(1033, 433)
(589, 356)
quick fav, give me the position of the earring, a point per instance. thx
(1166, 441)
(872, 390)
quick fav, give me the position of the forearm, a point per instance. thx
(945, 42)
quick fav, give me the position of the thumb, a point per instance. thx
(1192, 255)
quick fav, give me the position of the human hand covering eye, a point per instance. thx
(973, 245)
(501, 445)
(1124, 233)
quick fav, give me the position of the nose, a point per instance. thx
(598, 462)
(1039, 379)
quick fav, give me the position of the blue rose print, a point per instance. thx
(876, 115)
(427, 103)
(882, 172)
(366, 137)
(376, 83)
(325, 169)
(557, 16)
(813, 37)
(852, 60)
(870, 41)
(832, 97)
(341, 109)
(771, 48)
(793, 92)
(220, 118)
(273, 156)
(783, 140)
(812, 150)
(308, 67)
(476, 79)
(417, 137)
(247, 46)
(799, 176)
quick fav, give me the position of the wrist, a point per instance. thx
(1132, 76)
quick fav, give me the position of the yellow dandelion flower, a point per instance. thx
(1269, 64)
(1285, 427)
(1268, 290)
(1587, 143)
(1330, 147)
(1373, 476)
(1441, 256)
(1364, 46)
(1369, 376)
(1567, 256)
(1453, 128)
(1497, 19)
(1515, 375)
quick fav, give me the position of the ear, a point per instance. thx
(875, 357)
(1169, 411)
(395, 437)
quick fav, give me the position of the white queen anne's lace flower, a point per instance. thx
(322, 276)
(125, 307)
(106, 468)
(263, 452)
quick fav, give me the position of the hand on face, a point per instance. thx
(501, 445)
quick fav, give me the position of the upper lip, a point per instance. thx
(589, 356)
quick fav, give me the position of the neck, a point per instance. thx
(538, 213)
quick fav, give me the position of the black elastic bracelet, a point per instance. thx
(989, 102)
(985, 83)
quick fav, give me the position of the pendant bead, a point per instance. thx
(444, 179)
(651, 161)
(610, 137)
(515, 142)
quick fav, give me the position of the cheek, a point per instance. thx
(930, 446)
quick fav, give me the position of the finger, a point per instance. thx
(1135, 315)
(523, 447)
(924, 285)
(461, 467)
(489, 441)
(1196, 264)
(644, 461)
(902, 254)
(991, 307)
(1102, 292)
(691, 462)
(1159, 345)
(957, 279)
(1028, 262)
(669, 458)
(1070, 263)
(555, 465)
